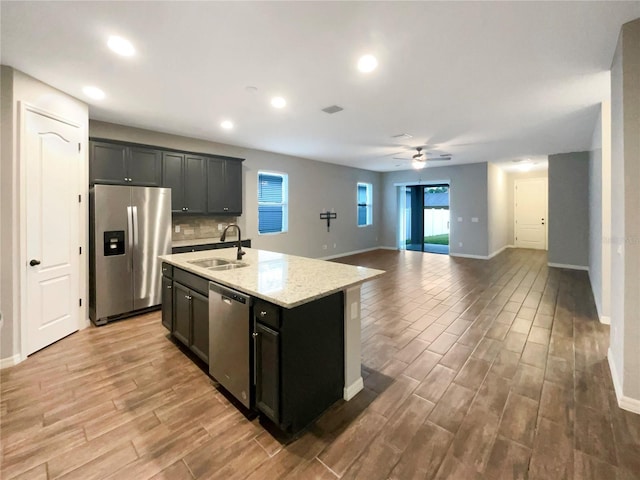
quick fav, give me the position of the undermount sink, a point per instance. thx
(229, 266)
(217, 264)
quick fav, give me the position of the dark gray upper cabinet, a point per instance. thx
(145, 167)
(116, 164)
(195, 184)
(225, 186)
(107, 163)
(201, 184)
(186, 176)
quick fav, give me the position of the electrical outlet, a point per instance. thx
(324, 247)
(334, 245)
(474, 219)
(220, 227)
(177, 228)
(459, 244)
(459, 219)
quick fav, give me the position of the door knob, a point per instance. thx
(34, 262)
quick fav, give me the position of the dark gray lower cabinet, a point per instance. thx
(189, 318)
(182, 313)
(299, 360)
(200, 326)
(267, 367)
(167, 302)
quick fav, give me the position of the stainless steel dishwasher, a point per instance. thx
(229, 341)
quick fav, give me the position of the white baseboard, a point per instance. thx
(353, 389)
(569, 266)
(626, 403)
(388, 248)
(10, 361)
(346, 254)
(467, 255)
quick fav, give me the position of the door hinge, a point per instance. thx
(80, 302)
(80, 248)
(79, 198)
(79, 144)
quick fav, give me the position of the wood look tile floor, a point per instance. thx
(472, 370)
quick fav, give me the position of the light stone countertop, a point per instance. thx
(285, 280)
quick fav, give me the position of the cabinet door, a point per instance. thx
(233, 178)
(200, 326)
(267, 365)
(107, 163)
(216, 186)
(173, 178)
(182, 313)
(195, 184)
(167, 302)
(145, 167)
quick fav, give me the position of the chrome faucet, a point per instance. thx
(224, 235)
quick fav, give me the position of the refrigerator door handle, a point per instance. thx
(130, 236)
(135, 226)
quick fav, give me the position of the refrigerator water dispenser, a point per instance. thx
(114, 243)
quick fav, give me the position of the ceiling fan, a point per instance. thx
(420, 158)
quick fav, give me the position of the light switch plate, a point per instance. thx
(459, 219)
(177, 228)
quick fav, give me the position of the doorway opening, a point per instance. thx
(425, 218)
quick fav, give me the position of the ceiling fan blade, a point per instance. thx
(438, 159)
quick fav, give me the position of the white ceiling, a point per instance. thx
(485, 81)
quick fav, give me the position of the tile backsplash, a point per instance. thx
(195, 227)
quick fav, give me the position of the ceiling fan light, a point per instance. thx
(418, 164)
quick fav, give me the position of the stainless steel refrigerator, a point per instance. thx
(129, 228)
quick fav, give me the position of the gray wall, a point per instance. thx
(468, 198)
(569, 207)
(625, 215)
(313, 187)
(497, 185)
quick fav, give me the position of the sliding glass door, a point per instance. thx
(424, 223)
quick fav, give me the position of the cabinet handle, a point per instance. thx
(255, 334)
(188, 297)
(169, 287)
(255, 358)
(226, 209)
(263, 313)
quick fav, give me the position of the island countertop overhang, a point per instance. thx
(286, 280)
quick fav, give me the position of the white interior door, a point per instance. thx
(51, 159)
(530, 213)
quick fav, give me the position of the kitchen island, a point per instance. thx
(305, 325)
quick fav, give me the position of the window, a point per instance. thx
(272, 202)
(365, 204)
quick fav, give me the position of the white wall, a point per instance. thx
(497, 185)
(313, 187)
(18, 87)
(624, 358)
(467, 199)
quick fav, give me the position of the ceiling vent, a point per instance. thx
(402, 135)
(332, 109)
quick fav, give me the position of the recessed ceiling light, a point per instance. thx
(121, 46)
(227, 124)
(278, 102)
(93, 92)
(367, 63)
